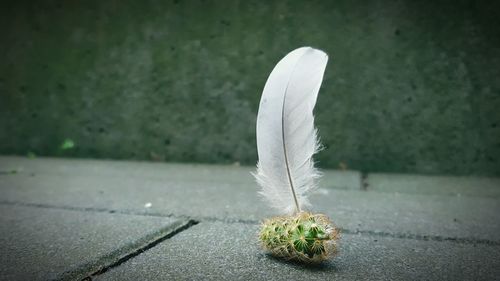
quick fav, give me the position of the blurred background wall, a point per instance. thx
(411, 86)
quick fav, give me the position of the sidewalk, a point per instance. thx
(66, 219)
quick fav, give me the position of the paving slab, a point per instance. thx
(336, 179)
(221, 251)
(229, 193)
(443, 185)
(46, 244)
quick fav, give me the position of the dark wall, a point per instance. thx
(411, 86)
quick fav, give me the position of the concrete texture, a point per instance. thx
(114, 220)
(411, 86)
(456, 186)
(218, 251)
(350, 180)
(46, 244)
(230, 193)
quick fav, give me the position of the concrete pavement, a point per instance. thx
(66, 219)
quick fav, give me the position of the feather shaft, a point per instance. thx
(297, 206)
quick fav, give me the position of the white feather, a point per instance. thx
(286, 137)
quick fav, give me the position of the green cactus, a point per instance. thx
(305, 237)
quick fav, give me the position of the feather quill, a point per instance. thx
(286, 137)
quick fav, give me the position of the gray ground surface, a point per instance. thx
(43, 243)
(63, 219)
(222, 251)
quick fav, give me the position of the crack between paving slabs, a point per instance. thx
(120, 256)
(364, 181)
(421, 237)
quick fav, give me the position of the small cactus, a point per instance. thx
(304, 237)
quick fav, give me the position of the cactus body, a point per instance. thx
(304, 237)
